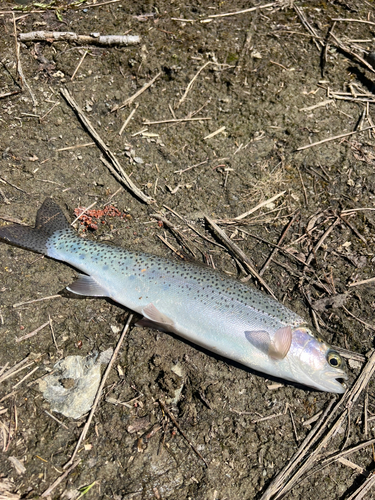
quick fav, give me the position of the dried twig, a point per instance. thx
(251, 9)
(129, 100)
(79, 65)
(177, 120)
(362, 490)
(128, 119)
(100, 390)
(60, 479)
(166, 410)
(281, 484)
(21, 76)
(363, 282)
(276, 247)
(188, 88)
(239, 254)
(77, 146)
(31, 334)
(321, 241)
(114, 165)
(16, 368)
(67, 36)
(37, 300)
(334, 138)
(180, 237)
(260, 205)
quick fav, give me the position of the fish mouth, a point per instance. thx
(335, 382)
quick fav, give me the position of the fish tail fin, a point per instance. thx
(49, 219)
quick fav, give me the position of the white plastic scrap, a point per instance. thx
(73, 384)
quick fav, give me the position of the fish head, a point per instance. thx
(315, 363)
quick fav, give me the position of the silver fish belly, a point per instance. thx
(202, 305)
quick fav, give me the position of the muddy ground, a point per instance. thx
(264, 71)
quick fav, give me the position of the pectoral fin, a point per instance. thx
(277, 348)
(259, 339)
(86, 285)
(153, 314)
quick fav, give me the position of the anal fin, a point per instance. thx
(86, 285)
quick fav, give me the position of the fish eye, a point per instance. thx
(334, 359)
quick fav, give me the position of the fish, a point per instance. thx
(196, 302)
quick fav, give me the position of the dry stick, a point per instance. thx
(348, 400)
(344, 48)
(115, 168)
(194, 229)
(14, 186)
(21, 76)
(238, 253)
(7, 94)
(352, 20)
(79, 65)
(171, 247)
(281, 249)
(273, 4)
(188, 88)
(349, 354)
(320, 104)
(349, 451)
(56, 419)
(31, 334)
(303, 187)
(363, 282)
(4, 368)
(182, 239)
(26, 377)
(334, 138)
(60, 479)
(100, 390)
(128, 119)
(166, 410)
(365, 415)
(176, 120)
(352, 210)
(309, 28)
(48, 112)
(354, 466)
(354, 229)
(246, 46)
(260, 205)
(83, 213)
(129, 100)
(77, 146)
(13, 371)
(37, 300)
(321, 241)
(275, 249)
(338, 457)
(86, 6)
(299, 456)
(358, 319)
(363, 489)
(67, 36)
(189, 168)
(326, 46)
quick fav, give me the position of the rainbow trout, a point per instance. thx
(202, 305)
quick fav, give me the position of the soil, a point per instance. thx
(264, 72)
